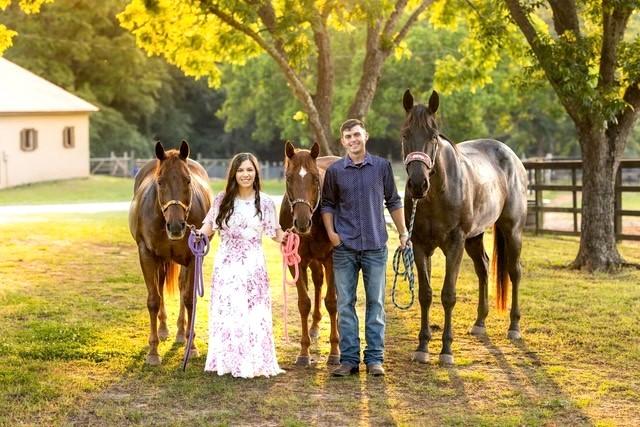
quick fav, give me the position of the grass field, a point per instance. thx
(74, 332)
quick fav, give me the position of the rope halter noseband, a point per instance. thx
(292, 203)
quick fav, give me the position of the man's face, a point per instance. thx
(354, 140)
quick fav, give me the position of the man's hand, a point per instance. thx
(334, 238)
(404, 240)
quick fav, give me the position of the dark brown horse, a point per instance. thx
(304, 174)
(462, 189)
(169, 193)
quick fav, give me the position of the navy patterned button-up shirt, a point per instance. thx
(356, 196)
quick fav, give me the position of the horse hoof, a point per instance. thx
(163, 334)
(153, 360)
(514, 335)
(446, 359)
(420, 357)
(303, 361)
(478, 331)
(194, 353)
(333, 359)
(314, 333)
(180, 338)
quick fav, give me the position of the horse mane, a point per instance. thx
(421, 117)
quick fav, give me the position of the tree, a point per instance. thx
(592, 61)
(198, 35)
(28, 7)
(596, 74)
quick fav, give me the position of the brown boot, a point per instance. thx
(345, 369)
(375, 369)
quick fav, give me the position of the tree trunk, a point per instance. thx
(598, 251)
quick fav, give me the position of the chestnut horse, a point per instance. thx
(304, 174)
(169, 193)
(462, 189)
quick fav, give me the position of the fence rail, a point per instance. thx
(564, 176)
(128, 165)
(552, 175)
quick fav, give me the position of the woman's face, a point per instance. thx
(246, 174)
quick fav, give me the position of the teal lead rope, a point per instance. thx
(406, 255)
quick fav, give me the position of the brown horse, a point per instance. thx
(304, 173)
(462, 190)
(169, 193)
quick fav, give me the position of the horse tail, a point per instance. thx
(171, 277)
(499, 269)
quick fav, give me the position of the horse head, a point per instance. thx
(420, 143)
(302, 185)
(173, 188)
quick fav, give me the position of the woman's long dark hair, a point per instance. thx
(231, 190)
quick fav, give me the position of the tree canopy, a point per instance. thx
(297, 36)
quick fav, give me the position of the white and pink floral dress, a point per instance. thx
(240, 323)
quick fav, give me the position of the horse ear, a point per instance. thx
(407, 100)
(315, 150)
(160, 154)
(184, 150)
(288, 149)
(434, 101)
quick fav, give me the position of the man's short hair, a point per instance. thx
(350, 124)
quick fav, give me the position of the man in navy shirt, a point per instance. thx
(356, 190)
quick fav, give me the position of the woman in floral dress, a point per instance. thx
(240, 324)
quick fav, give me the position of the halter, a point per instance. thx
(292, 203)
(167, 205)
(422, 157)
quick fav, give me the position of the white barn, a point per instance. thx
(44, 130)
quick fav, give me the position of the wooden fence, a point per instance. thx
(128, 165)
(565, 176)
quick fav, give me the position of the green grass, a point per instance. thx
(75, 325)
(96, 188)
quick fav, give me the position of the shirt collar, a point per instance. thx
(349, 163)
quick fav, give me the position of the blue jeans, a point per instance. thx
(346, 265)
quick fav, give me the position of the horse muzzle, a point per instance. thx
(176, 230)
(302, 227)
(418, 188)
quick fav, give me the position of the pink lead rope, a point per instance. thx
(290, 257)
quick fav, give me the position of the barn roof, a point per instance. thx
(21, 91)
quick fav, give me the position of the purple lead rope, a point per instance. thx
(199, 248)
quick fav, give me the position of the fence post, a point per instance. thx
(539, 201)
(574, 181)
(617, 206)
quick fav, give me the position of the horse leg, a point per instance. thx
(453, 254)
(163, 331)
(186, 283)
(425, 296)
(304, 307)
(331, 303)
(317, 276)
(475, 249)
(150, 268)
(513, 246)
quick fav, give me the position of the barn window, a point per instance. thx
(68, 137)
(28, 139)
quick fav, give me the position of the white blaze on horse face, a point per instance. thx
(302, 172)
